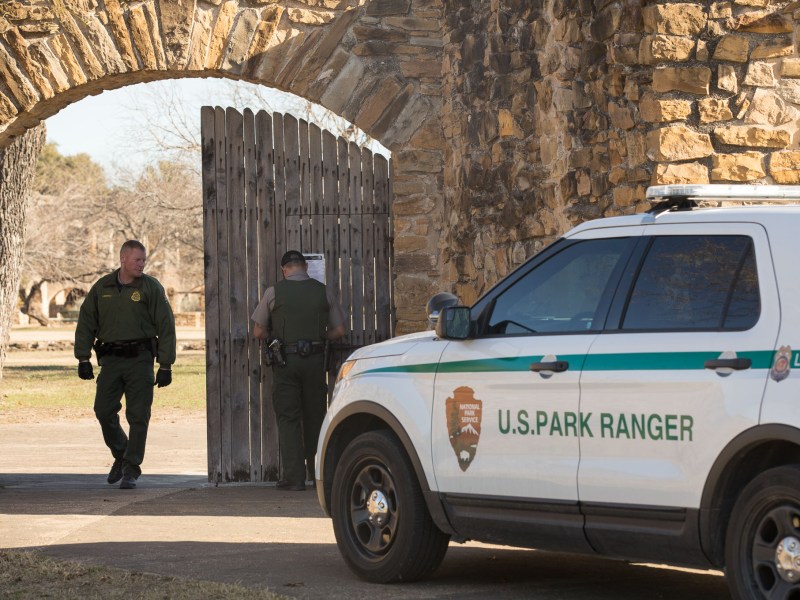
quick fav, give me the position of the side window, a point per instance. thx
(695, 283)
(562, 294)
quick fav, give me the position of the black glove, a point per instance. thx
(163, 377)
(85, 370)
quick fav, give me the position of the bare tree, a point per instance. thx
(17, 165)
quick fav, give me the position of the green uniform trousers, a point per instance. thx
(134, 378)
(299, 396)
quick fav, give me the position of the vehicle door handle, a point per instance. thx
(558, 366)
(737, 364)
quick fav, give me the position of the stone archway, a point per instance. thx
(377, 63)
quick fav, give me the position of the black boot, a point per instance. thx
(129, 476)
(115, 474)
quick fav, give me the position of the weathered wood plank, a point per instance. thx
(266, 277)
(237, 291)
(280, 192)
(330, 211)
(368, 241)
(305, 189)
(317, 241)
(356, 244)
(346, 288)
(383, 292)
(209, 136)
(292, 174)
(223, 218)
(253, 355)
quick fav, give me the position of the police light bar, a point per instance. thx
(724, 193)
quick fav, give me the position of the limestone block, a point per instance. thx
(32, 67)
(701, 52)
(412, 24)
(694, 80)
(155, 34)
(413, 205)
(343, 86)
(784, 48)
(733, 48)
(790, 67)
(617, 175)
(116, 22)
(265, 31)
(7, 108)
(69, 63)
(507, 126)
(310, 17)
(785, 167)
(201, 37)
(752, 135)
(742, 104)
(677, 142)
(789, 89)
(220, 34)
(45, 27)
(714, 109)
(758, 3)
(656, 110)
(103, 45)
(661, 48)
(720, 10)
(621, 117)
(671, 173)
(176, 26)
(382, 8)
(625, 195)
(19, 85)
(141, 38)
(93, 68)
(606, 22)
(746, 166)
(244, 29)
(674, 19)
(760, 74)
(726, 79)
(762, 22)
(376, 103)
(768, 108)
(51, 67)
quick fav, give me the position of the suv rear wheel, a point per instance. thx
(762, 549)
(382, 526)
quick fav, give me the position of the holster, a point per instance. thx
(304, 348)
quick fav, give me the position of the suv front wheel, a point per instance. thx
(762, 549)
(382, 526)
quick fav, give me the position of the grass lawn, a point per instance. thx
(57, 386)
(30, 576)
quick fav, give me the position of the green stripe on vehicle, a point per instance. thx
(632, 361)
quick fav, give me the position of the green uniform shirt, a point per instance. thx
(139, 310)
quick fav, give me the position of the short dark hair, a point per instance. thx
(293, 257)
(131, 245)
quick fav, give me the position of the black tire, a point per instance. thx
(766, 514)
(399, 542)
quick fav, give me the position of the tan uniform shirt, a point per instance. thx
(261, 314)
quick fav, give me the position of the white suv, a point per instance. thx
(627, 392)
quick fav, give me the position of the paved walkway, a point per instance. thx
(54, 499)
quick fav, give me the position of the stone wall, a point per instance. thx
(509, 120)
(564, 110)
(375, 62)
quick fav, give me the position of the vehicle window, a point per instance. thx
(562, 294)
(695, 282)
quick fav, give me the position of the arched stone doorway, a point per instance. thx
(377, 63)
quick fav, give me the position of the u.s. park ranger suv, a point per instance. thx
(632, 391)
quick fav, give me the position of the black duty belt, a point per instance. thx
(316, 348)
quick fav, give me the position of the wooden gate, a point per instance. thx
(272, 183)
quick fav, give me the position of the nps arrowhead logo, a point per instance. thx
(464, 424)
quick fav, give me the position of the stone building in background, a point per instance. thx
(509, 120)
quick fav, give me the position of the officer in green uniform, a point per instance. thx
(127, 318)
(302, 313)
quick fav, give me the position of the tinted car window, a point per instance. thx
(562, 294)
(695, 282)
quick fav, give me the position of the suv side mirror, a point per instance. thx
(454, 323)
